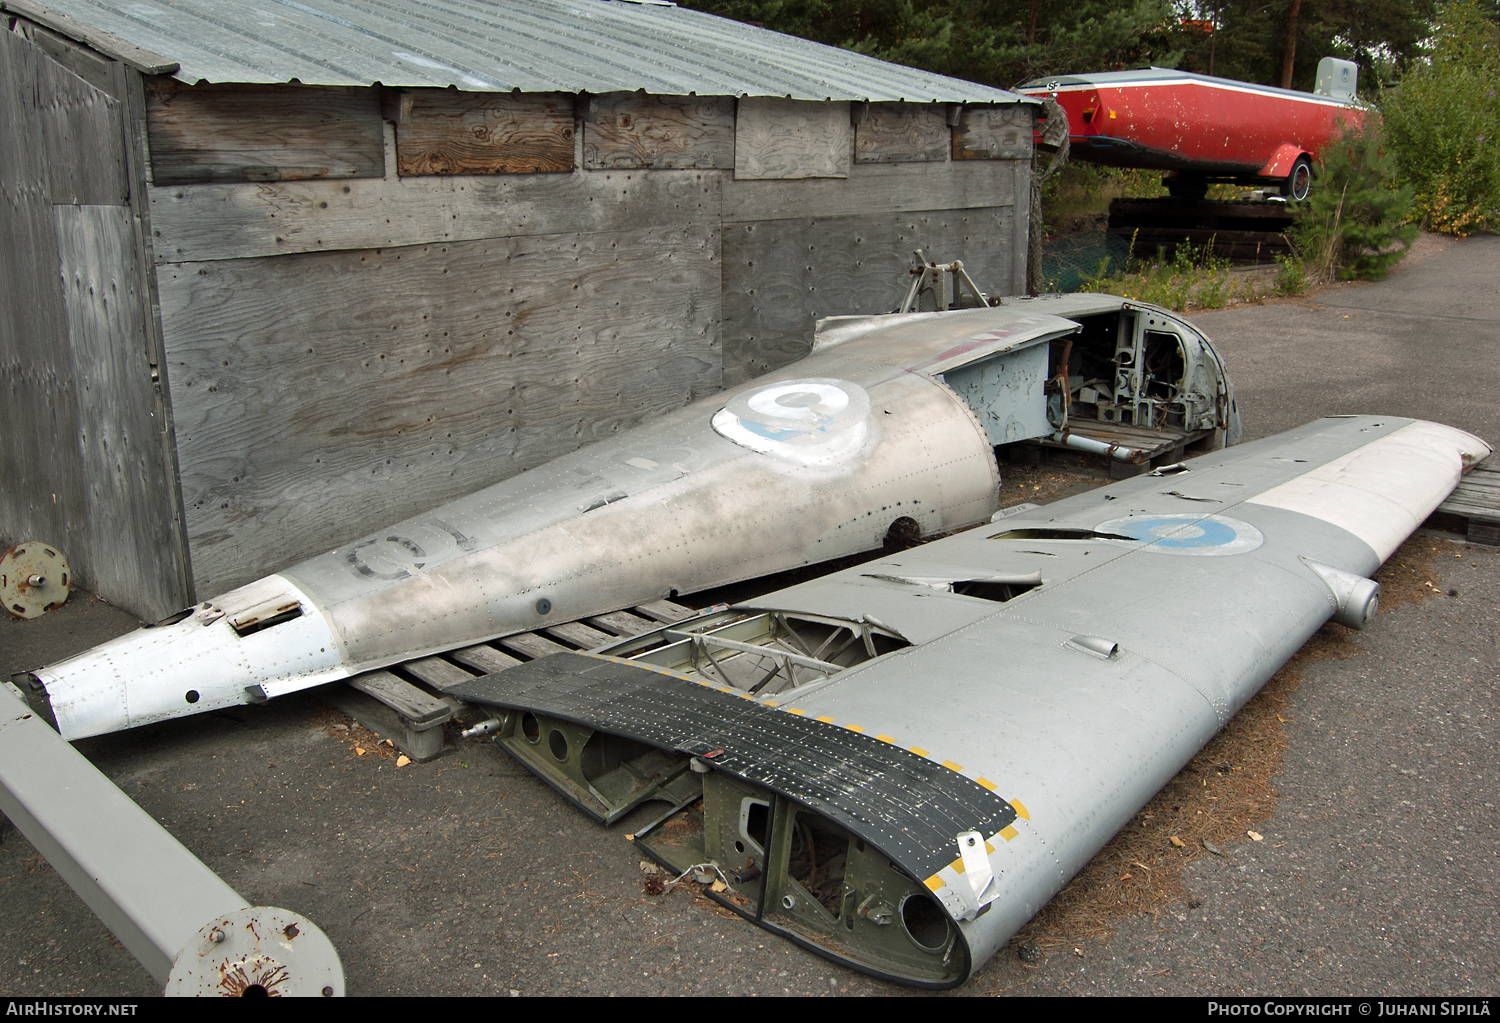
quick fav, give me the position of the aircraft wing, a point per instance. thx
(1079, 655)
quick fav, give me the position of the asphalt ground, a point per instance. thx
(1378, 870)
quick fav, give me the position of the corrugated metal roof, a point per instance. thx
(530, 45)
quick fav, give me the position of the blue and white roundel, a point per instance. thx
(1186, 533)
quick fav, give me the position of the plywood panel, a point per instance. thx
(39, 459)
(873, 188)
(222, 133)
(626, 130)
(903, 133)
(443, 131)
(781, 276)
(785, 139)
(320, 395)
(994, 133)
(193, 222)
(127, 507)
(84, 136)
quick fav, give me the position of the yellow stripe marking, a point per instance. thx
(985, 783)
(886, 738)
(1009, 833)
(1016, 803)
(855, 728)
(989, 849)
(950, 765)
(745, 696)
(795, 710)
(957, 866)
(825, 720)
(918, 750)
(772, 703)
(934, 882)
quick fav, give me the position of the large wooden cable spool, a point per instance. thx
(34, 579)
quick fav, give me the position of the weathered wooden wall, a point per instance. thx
(86, 457)
(527, 273)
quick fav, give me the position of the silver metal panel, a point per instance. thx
(527, 45)
(1005, 392)
(1199, 618)
(672, 507)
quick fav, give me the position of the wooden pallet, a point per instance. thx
(1473, 509)
(408, 702)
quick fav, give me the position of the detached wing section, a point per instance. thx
(1164, 603)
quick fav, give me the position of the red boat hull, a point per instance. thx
(1194, 124)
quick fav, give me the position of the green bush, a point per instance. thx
(1352, 223)
(1443, 122)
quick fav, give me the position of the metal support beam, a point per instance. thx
(192, 932)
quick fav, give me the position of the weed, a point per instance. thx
(1193, 276)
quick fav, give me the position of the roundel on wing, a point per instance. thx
(813, 420)
(1185, 533)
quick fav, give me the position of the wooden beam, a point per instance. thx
(202, 222)
(443, 131)
(873, 188)
(225, 133)
(628, 130)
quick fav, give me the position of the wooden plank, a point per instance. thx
(665, 611)
(994, 133)
(98, 71)
(40, 463)
(199, 222)
(784, 139)
(579, 635)
(402, 697)
(443, 131)
(226, 133)
(903, 133)
(437, 672)
(532, 646)
(321, 395)
(143, 60)
(137, 161)
(622, 623)
(625, 130)
(873, 188)
(842, 265)
(84, 137)
(484, 658)
(126, 507)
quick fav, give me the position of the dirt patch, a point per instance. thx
(1040, 484)
(1411, 575)
(360, 741)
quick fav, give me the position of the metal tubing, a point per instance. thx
(1099, 447)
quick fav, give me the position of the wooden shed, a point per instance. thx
(276, 274)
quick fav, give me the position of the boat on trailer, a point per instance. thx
(1198, 128)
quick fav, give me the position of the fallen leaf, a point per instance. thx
(1212, 848)
(1255, 836)
(1126, 877)
(403, 760)
(1179, 843)
(718, 886)
(360, 750)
